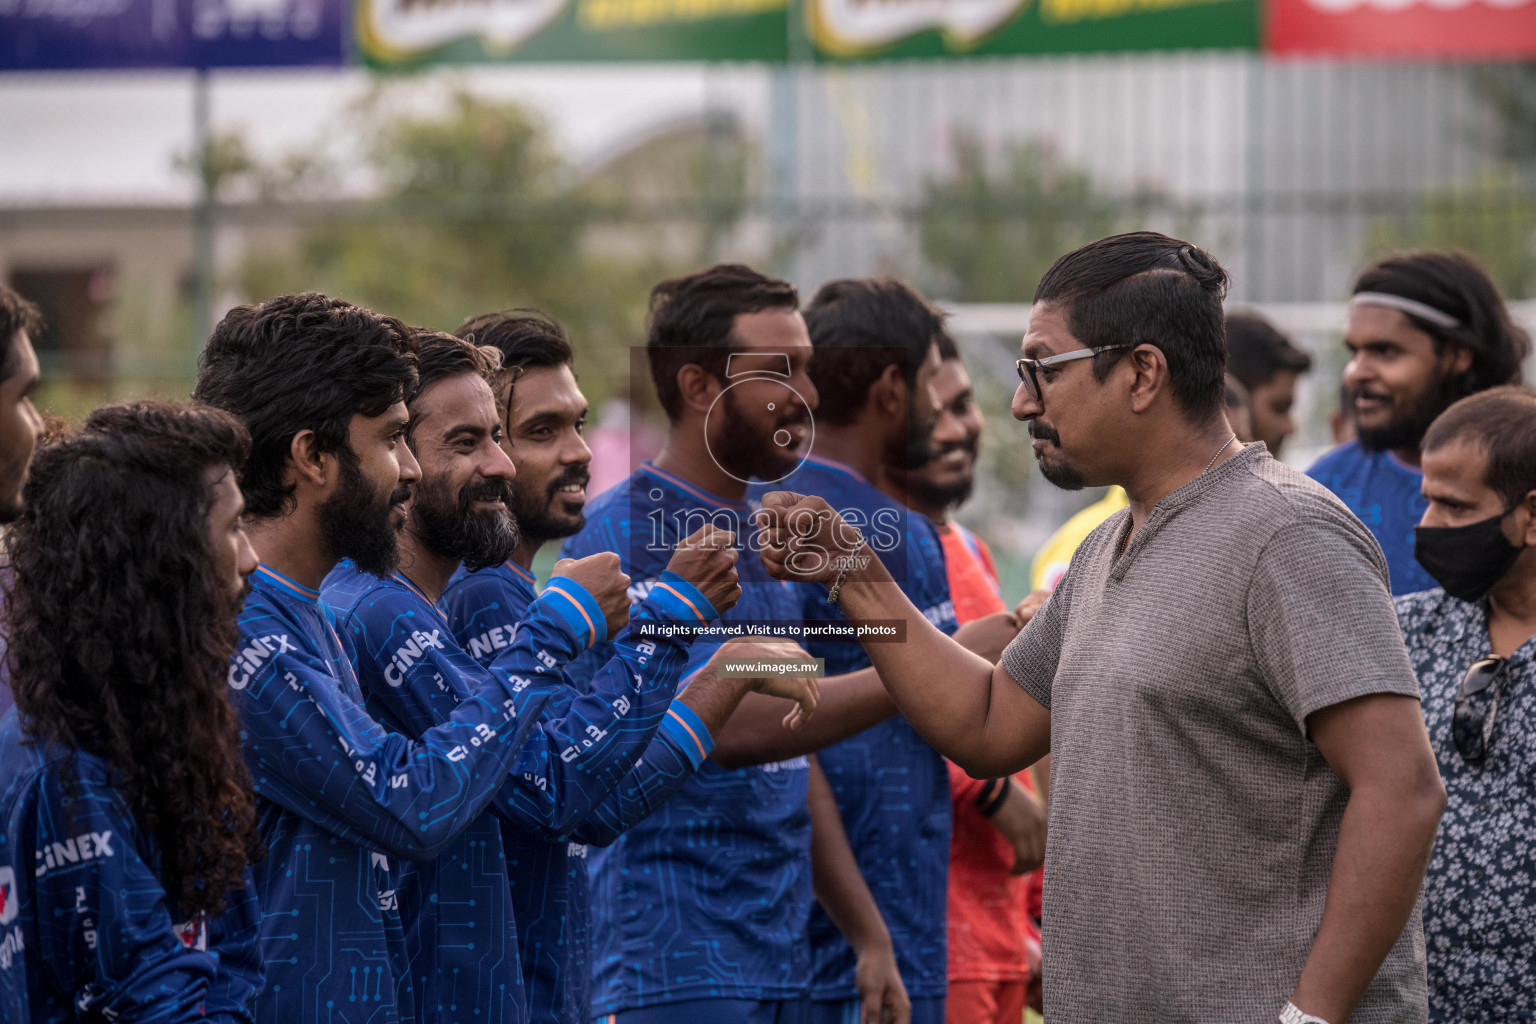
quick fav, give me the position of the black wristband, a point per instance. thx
(994, 800)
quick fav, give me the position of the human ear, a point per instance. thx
(889, 391)
(306, 463)
(1149, 376)
(698, 387)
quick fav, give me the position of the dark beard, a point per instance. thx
(953, 495)
(356, 520)
(746, 453)
(1057, 473)
(1407, 429)
(532, 515)
(449, 527)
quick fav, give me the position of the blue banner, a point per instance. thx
(41, 35)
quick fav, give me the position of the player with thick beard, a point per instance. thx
(456, 908)
(126, 814)
(321, 386)
(1425, 329)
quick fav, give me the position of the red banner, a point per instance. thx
(1464, 29)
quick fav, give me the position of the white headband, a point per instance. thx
(1412, 306)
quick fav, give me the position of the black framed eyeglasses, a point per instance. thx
(1030, 368)
(1477, 705)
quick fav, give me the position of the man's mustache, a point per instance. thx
(1043, 432)
(401, 495)
(580, 475)
(969, 446)
(488, 490)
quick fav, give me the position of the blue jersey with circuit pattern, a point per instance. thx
(710, 895)
(87, 930)
(457, 908)
(1385, 493)
(343, 800)
(892, 787)
(550, 898)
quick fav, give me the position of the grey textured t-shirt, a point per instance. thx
(1192, 822)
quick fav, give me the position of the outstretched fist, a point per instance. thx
(803, 539)
(707, 559)
(603, 578)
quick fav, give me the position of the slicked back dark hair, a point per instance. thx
(120, 632)
(1502, 423)
(860, 326)
(526, 338)
(441, 356)
(1256, 350)
(692, 320)
(16, 315)
(1453, 283)
(1144, 288)
(301, 362)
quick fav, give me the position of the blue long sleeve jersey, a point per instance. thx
(87, 931)
(550, 898)
(342, 799)
(708, 897)
(461, 925)
(891, 787)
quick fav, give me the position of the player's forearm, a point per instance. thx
(942, 689)
(756, 733)
(1378, 868)
(835, 877)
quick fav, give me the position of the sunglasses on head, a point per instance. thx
(1477, 704)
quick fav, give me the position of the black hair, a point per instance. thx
(860, 326)
(526, 338)
(947, 348)
(301, 362)
(692, 319)
(1144, 288)
(1453, 283)
(121, 633)
(1502, 423)
(16, 315)
(441, 356)
(1256, 351)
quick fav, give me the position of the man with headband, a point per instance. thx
(1425, 329)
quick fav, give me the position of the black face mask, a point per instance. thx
(1466, 560)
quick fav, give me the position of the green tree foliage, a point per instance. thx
(1492, 217)
(474, 209)
(991, 228)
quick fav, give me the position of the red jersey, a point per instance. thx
(990, 927)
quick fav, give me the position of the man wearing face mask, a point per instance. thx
(1425, 329)
(1471, 646)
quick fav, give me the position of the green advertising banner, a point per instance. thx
(861, 29)
(406, 33)
(402, 33)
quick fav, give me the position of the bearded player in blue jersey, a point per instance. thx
(126, 814)
(545, 413)
(701, 910)
(320, 385)
(457, 909)
(876, 354)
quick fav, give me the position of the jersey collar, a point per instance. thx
(271, 576)
(694, 490)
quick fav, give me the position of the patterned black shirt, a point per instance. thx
(1480, 893)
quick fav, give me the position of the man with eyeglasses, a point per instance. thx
(1471, 645)
(1243, 795)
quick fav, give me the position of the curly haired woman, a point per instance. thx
(126, 815)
